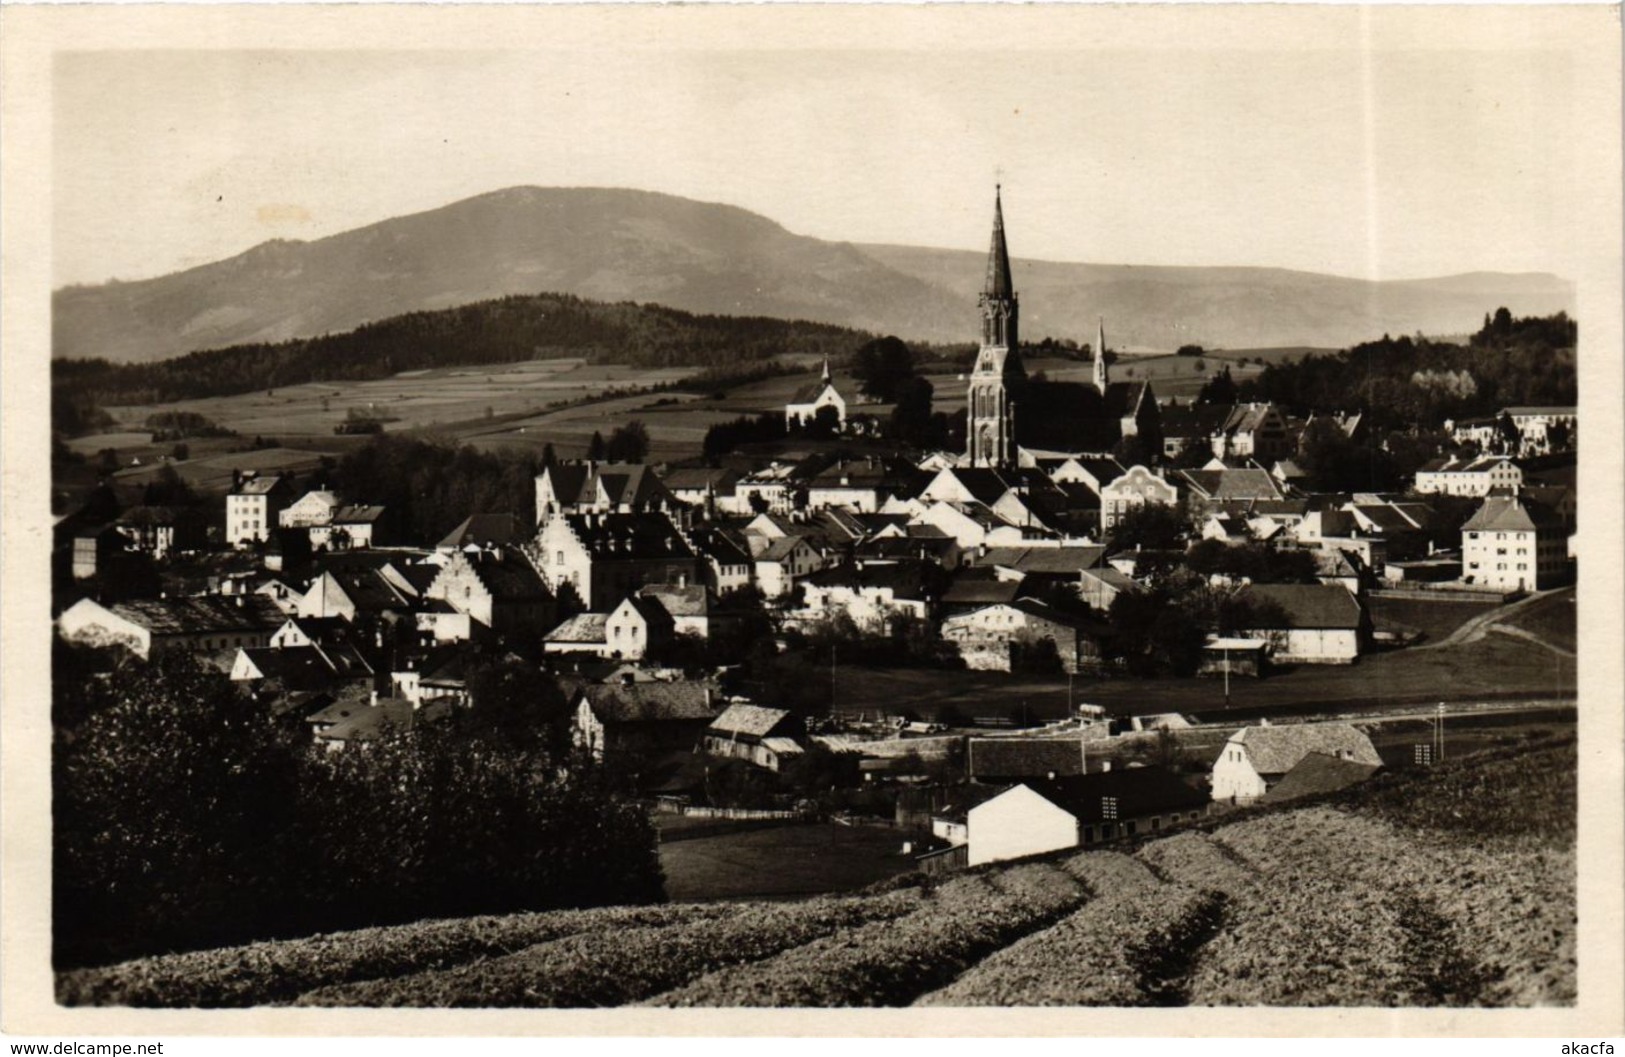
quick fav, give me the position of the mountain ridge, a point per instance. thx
(614, 244)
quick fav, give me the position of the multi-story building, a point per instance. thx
(1514, 544)
(253, 506)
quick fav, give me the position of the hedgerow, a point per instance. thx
(614, 967)
(891, 963)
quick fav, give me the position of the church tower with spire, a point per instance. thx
(990, 433)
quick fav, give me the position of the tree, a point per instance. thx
(1190, 350)
(107, 462)
(511, 706)
(911, 420)
(595, 447)
(549, 457)
(882, 366)
(628, 443)
(168, 488)
(180, 452)
(1220, 389)
(1152, 526)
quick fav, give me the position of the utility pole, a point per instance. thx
(1439, 733)
(1227, 677)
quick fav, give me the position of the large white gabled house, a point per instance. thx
(1052, 814)
(1256, 758)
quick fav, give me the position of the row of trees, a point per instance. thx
(185, 817)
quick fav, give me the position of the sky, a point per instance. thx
(1349, 148)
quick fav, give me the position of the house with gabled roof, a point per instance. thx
(1317, 774)
(1213, 487)
(778, 563)
(617, 721)
(499, 589)
(484, 531)
(989, 638)
(1038, 816)
(1256, 758)
(1477, 476)
(1253, 431)
(602, 558)
(599, 488)
(710, 488)
(1323, 623)
(767, 737)
(871, 593)
(724, 559)
(584, 633)
(151, 627)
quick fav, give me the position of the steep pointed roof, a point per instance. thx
(999, 284)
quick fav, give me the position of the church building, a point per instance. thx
(1058, 416)
(804, 405)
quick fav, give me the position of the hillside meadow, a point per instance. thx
(1451, 886)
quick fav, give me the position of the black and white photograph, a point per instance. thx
(943, 510)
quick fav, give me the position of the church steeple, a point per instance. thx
(998, 283)
(991, 429)
(1102, 379)
(1000, 310)
(825, 378)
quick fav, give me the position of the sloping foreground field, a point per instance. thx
(1454, 886)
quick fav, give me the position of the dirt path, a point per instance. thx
(1477, 627)
(1529, 636)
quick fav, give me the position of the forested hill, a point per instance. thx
(504, 330)
(1403, 381)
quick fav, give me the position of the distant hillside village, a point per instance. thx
(693, 614)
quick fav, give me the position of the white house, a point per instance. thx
(1474, 477)
(252, 508)
(1048, 815)
(1324, 623)
(1135, 488)
(1255, 758)
(780, 562)
(1514, 544)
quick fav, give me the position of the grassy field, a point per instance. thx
(1452, 886)
(782, 861)
(1435, 619)
(1552, 618)
(1490, 668)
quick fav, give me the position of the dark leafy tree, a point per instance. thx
(1220, 389)
(911, 420)
(628, 443)
(1150, 526)
(595, 447)
(882, 366)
